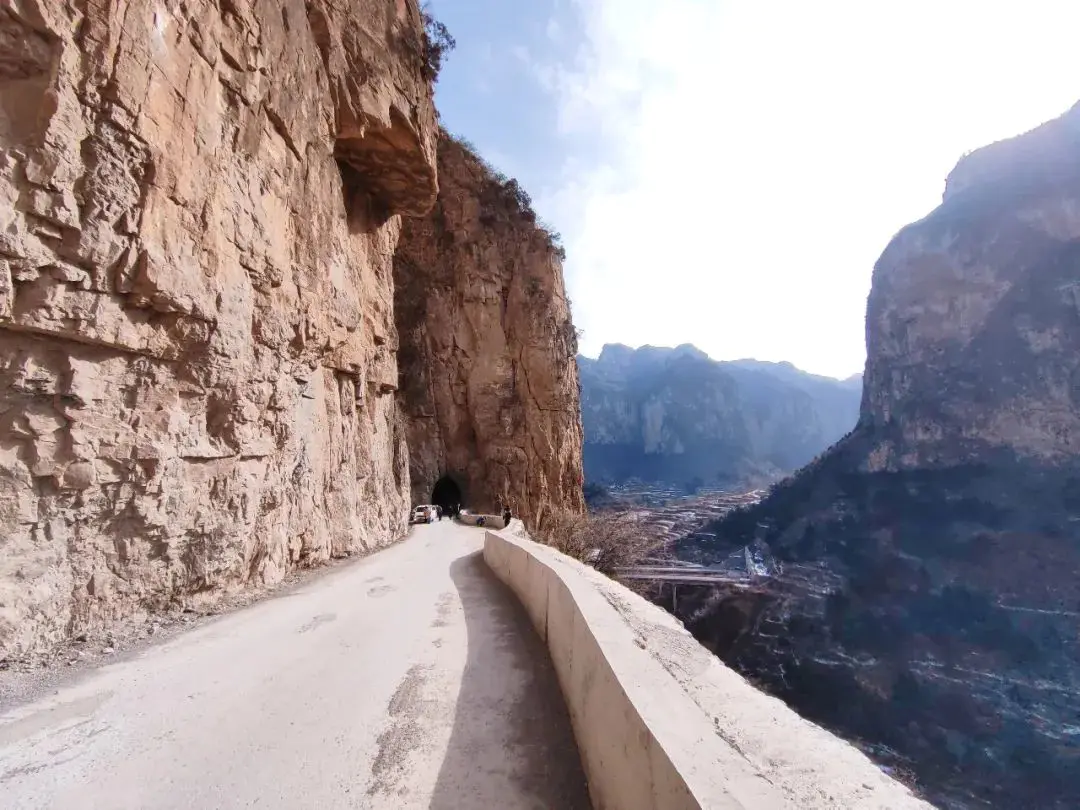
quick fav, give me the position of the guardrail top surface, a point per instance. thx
(730, 745)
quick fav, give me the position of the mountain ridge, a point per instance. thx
(675, 415)
(690, 348)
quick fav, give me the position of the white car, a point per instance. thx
(423, 514)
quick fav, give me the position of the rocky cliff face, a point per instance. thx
(488, 375)
(931, 585)
(972, 322)
(674, 415)
(198, 210)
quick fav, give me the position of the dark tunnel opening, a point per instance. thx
(446, 495)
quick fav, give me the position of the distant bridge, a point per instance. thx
(672, 576)
(744, 571)
(747, 566)
(688, 574)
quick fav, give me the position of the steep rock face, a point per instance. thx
(972, 331)
(931, 589)
(488, 375)
(198, 210)
(675, 415)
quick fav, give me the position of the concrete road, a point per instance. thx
(410, 679)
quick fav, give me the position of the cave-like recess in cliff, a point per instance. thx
(446, 494)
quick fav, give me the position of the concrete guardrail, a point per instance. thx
(660, 722)
(490, 521)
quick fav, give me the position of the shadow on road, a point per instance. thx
(511, 745)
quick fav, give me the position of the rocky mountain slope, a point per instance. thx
(199, 209)
(930, 593)
(489, 384)
(674, 415)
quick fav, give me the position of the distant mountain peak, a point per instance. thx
(674, 415)
(648, 355)
(620, 352)
(689, 350)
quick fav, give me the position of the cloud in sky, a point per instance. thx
(728, 172)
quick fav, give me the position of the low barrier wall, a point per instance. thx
(661, 723)
(490, 521)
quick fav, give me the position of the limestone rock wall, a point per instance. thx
(973, 321)
(489, 380)
(927, 602)
(198, 211)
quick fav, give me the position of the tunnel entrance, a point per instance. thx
(446, 494)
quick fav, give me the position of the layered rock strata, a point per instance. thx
(199, 204)
(489, 379)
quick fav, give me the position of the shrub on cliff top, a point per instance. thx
(606, 542)
(507, 193)
(437, 43)
(554, 239)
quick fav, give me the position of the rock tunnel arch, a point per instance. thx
(448, 494)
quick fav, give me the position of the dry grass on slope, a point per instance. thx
(607, 542)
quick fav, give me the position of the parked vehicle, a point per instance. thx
(425, 513)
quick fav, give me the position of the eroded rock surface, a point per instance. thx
(488, 374)
(931, 586)
(197, 219)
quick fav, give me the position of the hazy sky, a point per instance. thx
(726, 173)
